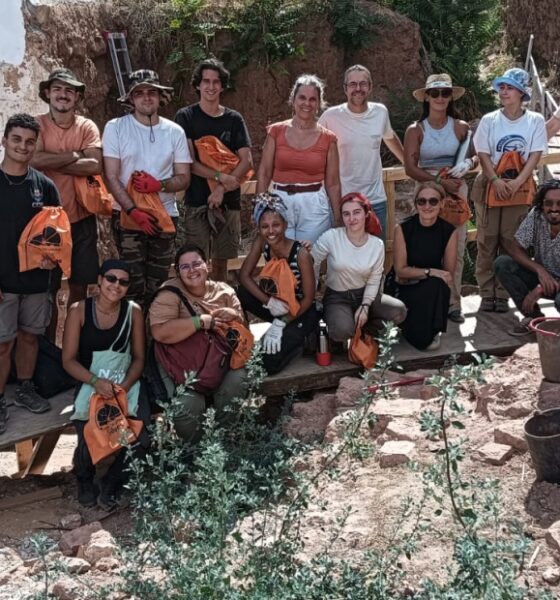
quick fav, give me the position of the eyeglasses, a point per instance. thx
(354, 85)
(115, 279)
(436, 93)
(433, 201)
(191, 266)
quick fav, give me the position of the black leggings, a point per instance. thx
(293, 336)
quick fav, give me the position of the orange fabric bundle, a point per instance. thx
(363, 349)
(509, 167)
(456, 209)
(92, 194)
(47, 235)
(241, 342)
(149, 203)
(276, 279)
(108, 426)
(214, 154)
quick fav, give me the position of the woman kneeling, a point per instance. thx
(355, 257)
(287, 300)
(183, 307)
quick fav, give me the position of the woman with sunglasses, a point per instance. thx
(300, 163)
(104, 344)
(355, 257)
(214, 303)
(286, 335)
(431, 147)
(425, 255)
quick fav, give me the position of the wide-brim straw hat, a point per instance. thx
(147, 78)
(65, 75)
(440, 81)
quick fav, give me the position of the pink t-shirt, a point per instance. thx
(299, 166)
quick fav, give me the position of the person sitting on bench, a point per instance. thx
(103, 345)
(526, 279)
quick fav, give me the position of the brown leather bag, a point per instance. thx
(509, 166)
(108, 428)
(363, 349)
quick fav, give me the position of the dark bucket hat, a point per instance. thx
(65, 75)
(148, 78)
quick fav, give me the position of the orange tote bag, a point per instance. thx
(151, 204)
(92, 194)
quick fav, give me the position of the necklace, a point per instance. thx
(112, 312)
(10, 182)
(61, 126)
(297, 125)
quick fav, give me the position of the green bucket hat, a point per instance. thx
(65, 75)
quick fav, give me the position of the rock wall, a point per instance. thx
(522, 18)
(68, 33)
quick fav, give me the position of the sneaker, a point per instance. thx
(436, 342)
(87, 492)
(3, 414)
(522, 328)
(501, 305)
(456, 316)
(27, 397)
(487, 305)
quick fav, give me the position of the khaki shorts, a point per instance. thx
(30, 313)
(221, 245)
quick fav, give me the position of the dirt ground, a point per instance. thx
(514, 389)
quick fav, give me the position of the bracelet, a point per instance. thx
(197, 323)
(495, 178)
(94, 379)
(129, 210)
(217, 176)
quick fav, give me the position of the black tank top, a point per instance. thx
(93, 339)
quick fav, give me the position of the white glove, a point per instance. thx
(272, 339)
(461, 169)
(276, 307)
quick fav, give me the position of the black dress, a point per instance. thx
(427, 301)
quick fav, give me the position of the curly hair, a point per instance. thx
(549, 184)
(22, 120)
(214, 65)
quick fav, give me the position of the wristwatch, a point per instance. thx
(427, 272)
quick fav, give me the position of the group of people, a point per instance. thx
(320, 199)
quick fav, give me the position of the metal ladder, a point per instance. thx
(116, 41)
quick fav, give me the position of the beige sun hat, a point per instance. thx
(439, 81)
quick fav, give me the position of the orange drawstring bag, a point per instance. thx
(213, 153)
(456, 209)
(47, 235)
(149, 203)
(509, 167)
(92, 194)
(363, 349)
(108, 427)
(240, 340)
(276, 279)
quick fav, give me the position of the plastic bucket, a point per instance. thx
(542, 432)
(548, 338)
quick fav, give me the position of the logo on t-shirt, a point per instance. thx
(511, 143)
(37, 197)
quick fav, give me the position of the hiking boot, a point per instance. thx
(456, 316)
(521, 328)
(87, 492)
(501, 305)
(487, 305)
(27, 397)
(3, 414)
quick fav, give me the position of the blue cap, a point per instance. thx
(517, 78)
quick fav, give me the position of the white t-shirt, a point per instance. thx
(496, 134)
(128, 140)
(350, 267)
(359, 143)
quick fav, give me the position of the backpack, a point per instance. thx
(277, 279)
(92, 194)
(149, 203)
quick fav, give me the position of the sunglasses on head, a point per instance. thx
(436, 93)
(433, 201)
(115, 279)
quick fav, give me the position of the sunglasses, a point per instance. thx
(436, 93)
(433, 201)
(115, 279)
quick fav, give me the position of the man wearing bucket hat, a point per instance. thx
(501, 193)
(151, 152)
(69, 146)
(529, 279)
(360, 126)
(436, 148)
